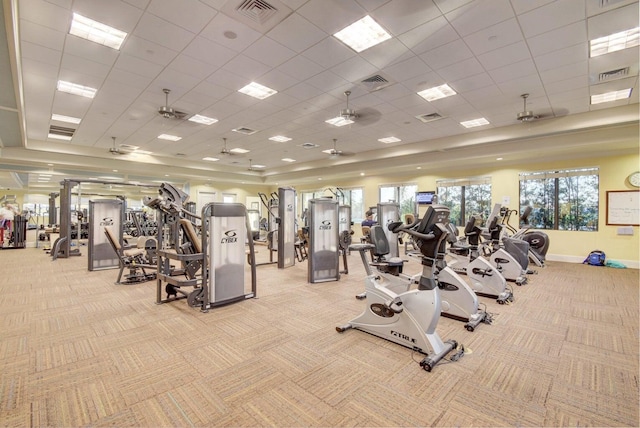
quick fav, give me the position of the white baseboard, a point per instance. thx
(633, 264)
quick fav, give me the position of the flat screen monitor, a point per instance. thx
(425, 198)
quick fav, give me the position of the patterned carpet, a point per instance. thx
(78, 350)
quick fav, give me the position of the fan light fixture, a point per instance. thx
(210, 159)
(287, 160)
(339, 121)
(614, 42)
(437, 92)
(362, 34)
(526, 115)
(97, 32)
(475, 122)
(611, 96)
(258, 91)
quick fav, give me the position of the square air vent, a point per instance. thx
(428, 117)
(61, 131)
(613, 74)
(309, 145)
(376, 82)
(245, 130)
(261, 15)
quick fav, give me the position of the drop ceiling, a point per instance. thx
(203, 51)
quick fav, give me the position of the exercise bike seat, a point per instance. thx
(392, 265)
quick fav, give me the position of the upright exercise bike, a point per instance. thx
(410, 318)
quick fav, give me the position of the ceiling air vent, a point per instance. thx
(613, 74)
(245, 130)
(376, 82)
(61, 130)
(257, 14)
(428, 117)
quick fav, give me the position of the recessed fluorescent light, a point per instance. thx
(96, 32)
(498, 159)
(339, 121)
(258, 166)
(437, 92)
(141, 152)
(210, 159)
(204, 120)
(614, 42)
(258, 91)
(389, 140)
(280, 139)
(75, 89)
(288, 160)
(611, 96)
(68, 119)
(169, 137)
(59, 137)
(362, 34)
(239, 151)
(475, 122)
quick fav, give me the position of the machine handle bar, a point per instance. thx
(398, 226)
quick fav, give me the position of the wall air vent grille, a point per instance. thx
(428, 117)
(613, 74)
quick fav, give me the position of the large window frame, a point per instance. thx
(562, 199)
(403, 194)
(464, 197)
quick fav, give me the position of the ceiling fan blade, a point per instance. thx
(367, 116)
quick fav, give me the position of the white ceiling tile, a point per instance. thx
(513, 88)
(277, 80)
(354, 69)
(191, 66)
(269, 52)
(332, 16)
(614, 85)
(386, 53)
(137, 66)
(429, 35)
(446, 6)
(114, 13)
(46, 14)
(297, 33)
(477, 81)
(41, 54)
(147, 50)
(486, 97)
(246, 67)
(614, 21)
(42, 35)
(564, 72)
(89, 68)
(163, 32)
(551, 16)
(614, 61)
(476, 16)
(460, 70)
(523, 6)
(568, 84)
(407, 69)
(425, 81)
(141, 4)
(398, 17)
(503, 56)
(300, 68)
(503, 34)
(227, 79)
(222, 26)
(304, 91)
(191, 15)
(562, 37)
(560, 97)
(329, 52)
(446, 55)
(327, 81)
(209, 52)
(90, 51)
(513, 71)
(595, 7)
(555, 59)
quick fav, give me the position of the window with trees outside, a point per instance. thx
(465, 197)
(404, 195)
(355, 198)
(561, 199)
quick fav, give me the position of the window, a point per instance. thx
(561, 199)
(355, 198)
(404, 195)
(228, 198)
(465, 197)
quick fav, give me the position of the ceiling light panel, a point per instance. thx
(239, 151)
(258, 166)
(437, 92)
(389, 140)
(75, 89)
(210, 159)
(67, 119)
(258, 91)
(203, 120)
(475, 122)
(611, 96)
(614, 42)
(169, 137)
(280, 139)
(362, 34)
(288, 160)
(97, 32)
(59, 137)
(339, 121)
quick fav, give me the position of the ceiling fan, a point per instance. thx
(121, 150)
(334, 153)
(224, 150)
(526, 115)
(169, 112)
(364, 116)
